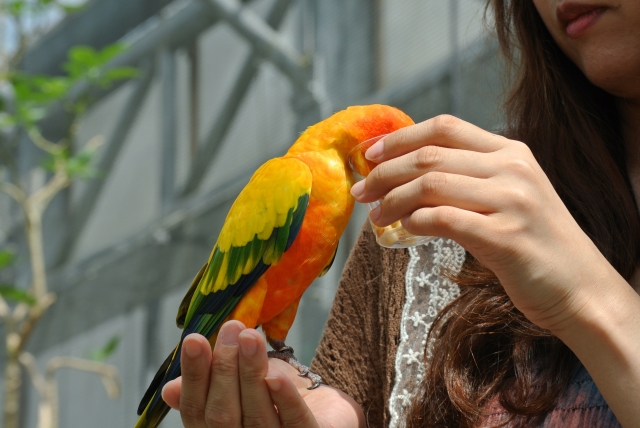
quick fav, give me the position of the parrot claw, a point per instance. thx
(303, 370)
(316, 383)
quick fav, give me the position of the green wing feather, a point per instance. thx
(261, 225)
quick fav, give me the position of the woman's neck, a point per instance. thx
(630, 113)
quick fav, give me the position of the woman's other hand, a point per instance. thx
(445, 177)
(238, 386)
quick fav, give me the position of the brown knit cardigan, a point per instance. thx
(358, 349)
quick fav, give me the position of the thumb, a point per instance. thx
(171, 393)
(292, 409)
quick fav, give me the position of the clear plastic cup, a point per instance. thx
(394, 235)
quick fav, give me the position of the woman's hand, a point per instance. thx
(238, 386)
(445, 177)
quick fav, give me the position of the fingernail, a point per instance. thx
(248, 346)
(192, 348)
(374, 215)
(405, 221)
(374, 152)
(357, 189)
(273, 382)
(229, 334)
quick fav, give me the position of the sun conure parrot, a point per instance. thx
(281, 233)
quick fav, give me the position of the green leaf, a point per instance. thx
(7, 121)
(7, 257)
(85, 62)
(110, 52)
(17, 295)
(15, 7)
(80, 165)
(101, 354)
(73, 8)
(120, 73)
(34, 93)
(49, 163)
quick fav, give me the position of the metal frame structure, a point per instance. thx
(102, 277)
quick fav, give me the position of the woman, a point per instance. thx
(552, 235)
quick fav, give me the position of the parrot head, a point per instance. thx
(346, 129)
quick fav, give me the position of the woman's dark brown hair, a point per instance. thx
(485, 350)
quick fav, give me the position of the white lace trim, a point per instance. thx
(426, 294)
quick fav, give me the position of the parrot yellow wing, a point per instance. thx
(261, 225)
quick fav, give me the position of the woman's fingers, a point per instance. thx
(257, 407)
(171, 393)
(223, 408)
(434, 189)
(292, 409)
(443, 131)
(403, 169)
(196, 362)
(464, 227)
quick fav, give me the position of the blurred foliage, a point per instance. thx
(34, 95)
(101, 354)
(16, 295)
(86, 63)
(78, 166)
(19, 8)
(9, 292)
(25, 100)
(7, 257)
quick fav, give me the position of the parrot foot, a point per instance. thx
(285, 353)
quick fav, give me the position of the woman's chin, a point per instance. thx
(612, 73)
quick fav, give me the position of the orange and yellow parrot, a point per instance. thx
(281, 233)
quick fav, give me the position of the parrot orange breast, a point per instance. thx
(328, 212)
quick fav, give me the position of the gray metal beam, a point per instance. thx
(183, 24)
(171, 31)
(193, 53)
(98, 24)
(266, 41)
(83, 209)
(136, 271)
(169, 133)
(401, 93)
(212, 143)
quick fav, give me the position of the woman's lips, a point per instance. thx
(579, 19)
(578, 26)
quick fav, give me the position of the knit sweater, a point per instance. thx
(373, 344)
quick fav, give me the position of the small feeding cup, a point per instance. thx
(394, 235)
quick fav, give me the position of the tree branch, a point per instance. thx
(108, 373)
(40, 199)
(42, 143)
(14, 191)
(34, 315)
(29, 363)
(5, 311)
